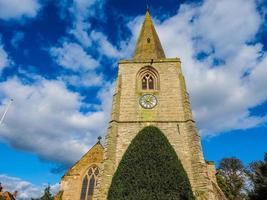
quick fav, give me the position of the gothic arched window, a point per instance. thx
(89, 183)
(148, 82)
(149, 78)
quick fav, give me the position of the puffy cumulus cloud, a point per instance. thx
(224, 69)
(222, 83)
(46, 118)
(26, 190)
(124, 48)
(109, 50)
(262, 7)
(231, 25)
(4, 58)
(84, 79)
(74, 57)
(16, 9)
(81, 32)
(81, 10)
(104, 45)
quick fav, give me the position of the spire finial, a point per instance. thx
(147, 6)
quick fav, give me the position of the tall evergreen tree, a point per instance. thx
(258, 173)
(150, 170)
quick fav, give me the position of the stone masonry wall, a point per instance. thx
(172, 115)
(71, 182)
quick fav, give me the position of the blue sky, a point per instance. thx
(58, 61)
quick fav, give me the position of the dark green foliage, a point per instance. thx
(47, 195)
(150, 170)
(231, 178)
(225, 187)
(258, 174)
(2, 198)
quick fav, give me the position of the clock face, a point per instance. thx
(148, 101)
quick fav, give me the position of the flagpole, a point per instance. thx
(7, 107)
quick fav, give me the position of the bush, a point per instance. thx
(150, 170)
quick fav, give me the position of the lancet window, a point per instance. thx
(89, 183)
(148, 82)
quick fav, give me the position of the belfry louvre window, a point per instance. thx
(148, 82)
(89, 183)
(148, 78)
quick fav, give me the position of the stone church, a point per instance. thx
(150, 90)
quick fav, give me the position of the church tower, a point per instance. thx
(151, 90)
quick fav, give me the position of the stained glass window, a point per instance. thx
(91, 188)
(89, 183)
(84, 188)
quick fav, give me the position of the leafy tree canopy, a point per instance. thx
(231, 178)
(258, 174)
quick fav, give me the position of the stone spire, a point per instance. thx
(148, 45)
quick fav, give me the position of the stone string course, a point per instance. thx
(172, 115)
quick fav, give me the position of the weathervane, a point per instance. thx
(147, 6)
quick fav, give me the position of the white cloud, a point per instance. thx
(45, 118)
(73, 56)
(84, 79)
(222, 30)
(4, 58)
(16, 9)
(262, 7)
(221, 95)
(219, 24)
(18, 37)
(46, 114)
(26, 190)
(81, 10)
(105, 48)
(80, 31)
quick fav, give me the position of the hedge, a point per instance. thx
(150, 170)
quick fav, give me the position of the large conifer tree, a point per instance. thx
(150, 170)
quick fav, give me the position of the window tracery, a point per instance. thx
(148, 78)
(148, 82)
(89, 183)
